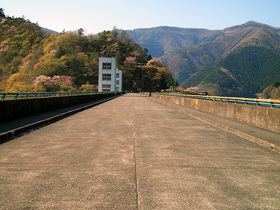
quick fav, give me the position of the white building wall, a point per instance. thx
(107, 74)
(119, 80)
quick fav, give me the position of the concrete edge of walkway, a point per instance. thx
(14, 133)
(226, 128)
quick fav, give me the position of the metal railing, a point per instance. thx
(237, 100)
(29, 95)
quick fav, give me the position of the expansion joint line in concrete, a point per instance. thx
(226, 128)
(135, 156)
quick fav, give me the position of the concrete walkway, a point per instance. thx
(134, 153)
(249, 132)
(45, 118)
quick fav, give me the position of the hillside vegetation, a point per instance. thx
(241, 73)
(32, 60)
(187, 61)
(238, 60)
(272, 91)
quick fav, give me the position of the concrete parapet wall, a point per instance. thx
(15, 109)
(263, 117)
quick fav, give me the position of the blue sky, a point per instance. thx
(97, 15)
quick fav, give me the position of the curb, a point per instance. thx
(226, 128)
(7, 136)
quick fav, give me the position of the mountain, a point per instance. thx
(240, 60)
(49, 31)
(162, 40)
(249, 61)
(185, 62)
(272, 91)
(254, 24)
(243, 72)
(187, 51)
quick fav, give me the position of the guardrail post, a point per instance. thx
(27, 94)
(257, 103)
(3, 96)
(16, 95)
(269, 101)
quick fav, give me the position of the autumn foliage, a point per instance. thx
(32, 60)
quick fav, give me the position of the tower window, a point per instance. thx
(106, 77)
(107, 66)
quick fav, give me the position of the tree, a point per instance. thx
(49, 83)
(81, 32)
(17, 82)
(154, 62)
(130, 60)
(88, 87)
(2, 15)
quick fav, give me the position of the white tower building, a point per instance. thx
(109, 77)
(119, 80)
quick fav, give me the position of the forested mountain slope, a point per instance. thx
(187, 51)
(243, 72)
(162, 40)
(185, 62)
(33, 60)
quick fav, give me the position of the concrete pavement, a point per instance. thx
(15, 128)
(258, 135)
(133, 153)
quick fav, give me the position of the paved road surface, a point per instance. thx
(133, 153)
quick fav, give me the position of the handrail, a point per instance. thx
(237, 100)
(28, 95)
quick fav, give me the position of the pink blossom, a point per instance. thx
(154, 62)
(130, 60)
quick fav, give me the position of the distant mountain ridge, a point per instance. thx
(192, 54)
(49, 31)
(185, 62)
(165, 39)
(253, 24)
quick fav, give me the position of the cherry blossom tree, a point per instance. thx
(130, 60)
(154, 62)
